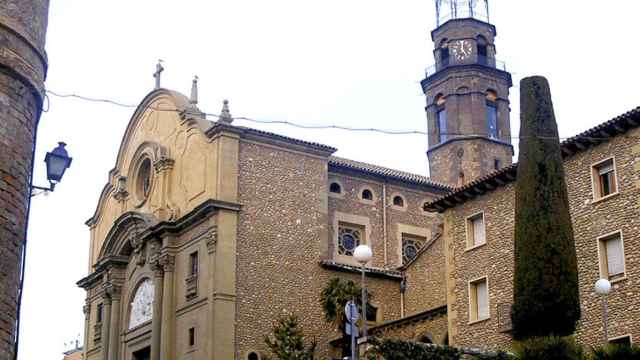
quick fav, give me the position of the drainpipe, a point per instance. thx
(384, 222)
(403, 289)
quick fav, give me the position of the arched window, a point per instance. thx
(441, 118)
(492, 114)
(253, 356)
(367, 194)
(335, 188)
(482, 50)
(398, 201)
(444, 53)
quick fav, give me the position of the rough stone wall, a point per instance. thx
(435, 328)
(591, 219)
(474, 158)
(22, 73)
(426, 280)
(282, 235)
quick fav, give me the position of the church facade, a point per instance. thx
(206, 232)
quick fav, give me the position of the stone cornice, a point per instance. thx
(372, 272)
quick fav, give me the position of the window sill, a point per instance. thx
(601, 199)
(336, 195)
(617, 280)
(367, 202)
(473, 322)
(475, 247)
(399, 208)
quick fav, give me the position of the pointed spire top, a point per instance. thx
(193, 99)
(225, 115)
(157, 74)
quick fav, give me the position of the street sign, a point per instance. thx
(351, 311)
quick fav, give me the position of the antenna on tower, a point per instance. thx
(461, 9)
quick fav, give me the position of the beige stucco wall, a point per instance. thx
(590, 220)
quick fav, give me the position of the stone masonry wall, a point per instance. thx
(22, 72)
(282, 236)
(426, 280)
(591, 219)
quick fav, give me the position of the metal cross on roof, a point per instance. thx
(156, 75)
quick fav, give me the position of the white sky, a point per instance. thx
(353, 63)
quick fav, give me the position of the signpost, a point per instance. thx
(352, 314)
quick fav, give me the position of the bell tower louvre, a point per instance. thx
(467, 94)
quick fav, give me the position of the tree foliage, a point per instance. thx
(391, 349)
(287, 341)
(333, 298)
(550, 348)
(546, 298)
(617, 352)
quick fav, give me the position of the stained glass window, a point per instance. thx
(410, 247)
(349, 237)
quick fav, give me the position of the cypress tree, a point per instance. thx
(546, 299)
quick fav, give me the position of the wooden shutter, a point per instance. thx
(482, 294)
(478, 231)
(615, 256)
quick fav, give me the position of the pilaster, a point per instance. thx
(86, 309)
(114, 292)
(106, 316)
(167, 262)
(156, 321)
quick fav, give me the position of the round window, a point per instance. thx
(143, 182)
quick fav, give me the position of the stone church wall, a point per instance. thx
(591, 219)
(426, 280)
(283, 234)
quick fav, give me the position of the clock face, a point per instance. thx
(461, 49)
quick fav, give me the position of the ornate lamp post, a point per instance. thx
(363, 255)
(603, 288)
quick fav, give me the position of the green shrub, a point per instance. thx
(550, 348)
(617, 352)
(391, 349)
(500, 355)
(287, 341)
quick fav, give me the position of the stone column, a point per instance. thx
(114, 334)
(168, 308)
(106, 318)
(23, 67)
(86, 309)
(156, 321)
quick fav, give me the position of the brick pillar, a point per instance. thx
(22, 72)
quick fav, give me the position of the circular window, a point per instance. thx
(143, 179)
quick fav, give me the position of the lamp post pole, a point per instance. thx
(363, 255)
(603, 288)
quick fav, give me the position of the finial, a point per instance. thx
(156, 75)
(225, 115)
(194, 91)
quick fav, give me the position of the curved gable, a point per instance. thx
(166, 137)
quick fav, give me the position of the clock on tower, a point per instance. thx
(467, 93)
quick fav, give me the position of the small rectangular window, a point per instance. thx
(496, 164)
(192, 336)
(492, 119)
(193, 264)
(604, 179)
(99, 310)
(478, 300)
(612, 256)
(441, 116)
(622, 340)
(475, 231)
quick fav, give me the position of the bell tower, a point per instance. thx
(467, 93)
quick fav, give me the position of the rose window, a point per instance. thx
(348, 239)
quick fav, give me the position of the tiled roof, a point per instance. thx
(341, 163)
(581, 142)
(370, 271)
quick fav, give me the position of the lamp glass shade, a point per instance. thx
(58, 161)
(363, 254)
(603, 287)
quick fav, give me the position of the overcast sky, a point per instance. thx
(349, 62)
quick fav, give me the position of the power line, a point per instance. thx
(308, 126)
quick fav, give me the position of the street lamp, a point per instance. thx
(363, 255)
(603, 288)
(58, 161)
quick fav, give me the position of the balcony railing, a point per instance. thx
(479, 60)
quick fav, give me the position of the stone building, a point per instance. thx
(206, 232)
(23, 67)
